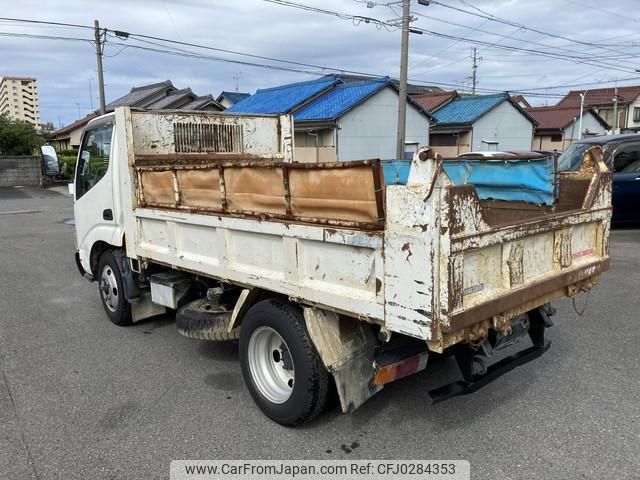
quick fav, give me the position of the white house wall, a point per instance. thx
(369, 130)
(589, 124)
(632, 106)
(506, 125)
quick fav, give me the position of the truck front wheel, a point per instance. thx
(280, 365)
(110, 283)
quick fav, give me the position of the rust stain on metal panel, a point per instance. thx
(343, 194)
(193, 159)
(520, 296)
(255, 190)
(562, 248)
(200, 188)
(465, 211)
(407, 248)
(515, 264)
(158, 187)
(202, 137)
(455, 283)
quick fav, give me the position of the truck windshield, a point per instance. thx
(571, 158)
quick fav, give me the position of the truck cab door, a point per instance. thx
(93, 206)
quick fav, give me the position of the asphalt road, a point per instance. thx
(83, 399)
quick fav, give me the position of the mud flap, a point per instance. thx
(142, 307)
(346, 347)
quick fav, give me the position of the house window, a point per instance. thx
(556, 138)
(636, 114)
(443, 140)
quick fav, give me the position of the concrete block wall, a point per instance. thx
(20, 171)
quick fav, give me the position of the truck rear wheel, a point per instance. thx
(110, 283)
(280, 365)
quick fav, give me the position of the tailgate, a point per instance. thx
(507, 258)
(511, 277)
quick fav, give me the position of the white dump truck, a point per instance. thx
(347, 272)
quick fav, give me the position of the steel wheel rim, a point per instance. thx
(271, 365)
(109, 288)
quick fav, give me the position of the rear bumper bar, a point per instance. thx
(505, 365)
(469, 359)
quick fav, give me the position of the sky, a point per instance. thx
(599, 42)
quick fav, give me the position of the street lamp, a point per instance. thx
(582, 95)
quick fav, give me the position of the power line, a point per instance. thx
(495, 18)
(584, 60)
(343, 16)
(324, 69)
(504, 37)
(43, 22)
(310, 68)
(619, 15)
(44, 37)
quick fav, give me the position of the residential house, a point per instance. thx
(69, 136)
(434, 101)
(559, 127)
(336, 120)
(228, 99)
(412, 88)
(601, 100)
(156, 96)
(520, 100)
(481, 122)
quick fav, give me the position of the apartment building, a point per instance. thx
(19, 99)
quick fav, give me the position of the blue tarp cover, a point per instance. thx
(528, 180)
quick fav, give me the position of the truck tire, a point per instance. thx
(202, 320)
(110, 283)
(280, 365)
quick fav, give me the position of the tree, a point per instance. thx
(17, 137)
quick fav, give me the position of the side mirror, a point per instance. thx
(72, 189)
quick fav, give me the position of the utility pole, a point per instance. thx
(474, 77)
(615, 109)
(404, 65)
(99, 52)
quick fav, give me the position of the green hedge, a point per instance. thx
(68, 158)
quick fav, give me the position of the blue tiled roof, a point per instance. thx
(235, 97)
(463, 110)
(342, 98)
(282, 99)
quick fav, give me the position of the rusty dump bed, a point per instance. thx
(341, 194)
(505, 258)
(222, 196)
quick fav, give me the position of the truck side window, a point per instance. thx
(94, 158)
(626, 156)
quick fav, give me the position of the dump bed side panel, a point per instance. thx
(180, 214)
